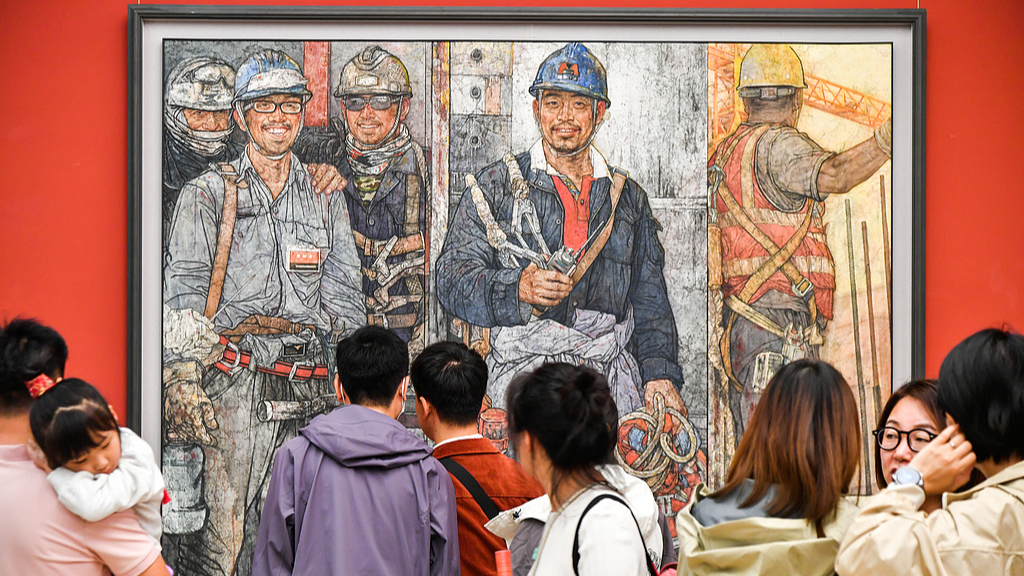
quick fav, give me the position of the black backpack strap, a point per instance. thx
(475, 490)
(576, 541)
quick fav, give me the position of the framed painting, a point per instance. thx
(751, 193)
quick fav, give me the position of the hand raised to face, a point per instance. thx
(946, 462)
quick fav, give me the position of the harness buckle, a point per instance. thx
(804, 290)
(234, 366)
(295, 367)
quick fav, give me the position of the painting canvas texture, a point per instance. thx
(698, 237)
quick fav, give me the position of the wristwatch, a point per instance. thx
(908, 476)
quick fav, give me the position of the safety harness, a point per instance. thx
(234, 359)
(779, 257)
(411, 245)
(572, 264)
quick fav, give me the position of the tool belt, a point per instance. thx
(234, 359)
(390, 321)
(264, 325)
(764, 322)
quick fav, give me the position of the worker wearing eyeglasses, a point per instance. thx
(272, 266)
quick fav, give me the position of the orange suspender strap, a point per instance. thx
(227, 230)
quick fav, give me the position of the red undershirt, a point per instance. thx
(577, 212)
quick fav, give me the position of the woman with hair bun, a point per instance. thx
(563, 423)
(782, 509)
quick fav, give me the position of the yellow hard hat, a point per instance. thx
(770, 66)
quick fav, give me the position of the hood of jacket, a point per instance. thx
(358, 437)
(633, 490)
(1009, 480)
(758, 545)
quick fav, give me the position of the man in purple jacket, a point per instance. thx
(356, 493)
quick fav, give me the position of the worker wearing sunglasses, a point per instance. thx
(387, 175)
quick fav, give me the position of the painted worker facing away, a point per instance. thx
(772, 181)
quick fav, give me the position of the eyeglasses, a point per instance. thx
(357, 103)
(268, 107)
(889, 438)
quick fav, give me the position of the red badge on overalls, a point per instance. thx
(303, 259)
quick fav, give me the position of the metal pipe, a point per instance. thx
(886, 248)
(876, 394)
(856, 347)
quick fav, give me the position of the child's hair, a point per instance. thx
(67, 420)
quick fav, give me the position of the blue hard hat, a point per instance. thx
(572, 68)
(267, 73)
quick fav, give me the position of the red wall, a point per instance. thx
(63, 168)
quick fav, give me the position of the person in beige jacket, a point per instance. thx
(782, 509)
(981, 388)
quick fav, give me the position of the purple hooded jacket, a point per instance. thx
(356, 493)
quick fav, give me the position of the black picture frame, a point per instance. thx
(723, 25)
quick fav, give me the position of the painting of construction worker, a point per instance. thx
(769, 256)
(268, 265)
(385, 173)
(557, 254)
(197, 124)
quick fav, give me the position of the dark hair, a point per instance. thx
(453, 379)
(924, 392)
(779, 105)
(981, 385)
(371, 365)
(803, 439)
(67, 419)
(570, 411)
(27, 349)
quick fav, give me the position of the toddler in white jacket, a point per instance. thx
(98, 469)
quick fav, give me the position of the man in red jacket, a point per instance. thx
(450, 381)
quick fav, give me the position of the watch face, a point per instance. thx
(908, 475)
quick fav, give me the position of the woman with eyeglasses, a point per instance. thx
(977, 531)
(910, 420)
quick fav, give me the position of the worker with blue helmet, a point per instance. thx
(273, 75)
(273, 266)
(549, 244)
(572, 68)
